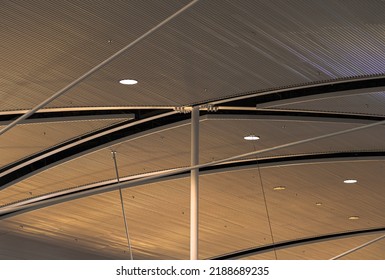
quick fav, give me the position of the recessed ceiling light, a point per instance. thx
(318, 203)
(279, 188)
(251, 137)
(354, 218)
(128, 82)
(350, 181)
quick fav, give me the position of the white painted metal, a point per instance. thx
(84, 109)
(358, 248)
(194, 196)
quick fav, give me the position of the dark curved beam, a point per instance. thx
(73, 118)
(86, 143)
(33, 164)
(297, 242)
(316, 90)
(123, 131)
(46, 200)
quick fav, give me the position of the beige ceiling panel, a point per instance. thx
(374, 251)
(59, 41)
(232, 212)
(155, 152)
(27, 139)
(295, 212)
(224, 138)
(158, 225)
(214, 50)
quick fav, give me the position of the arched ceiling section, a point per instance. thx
(233, 214)
(283, 70)
(221, 137)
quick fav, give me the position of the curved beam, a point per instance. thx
(315, 90)
(73, 118)
(297, 242)
(88, 110)
(29, 166)
(305, 98)
(46, 200)
(24, 168)
(142, 126)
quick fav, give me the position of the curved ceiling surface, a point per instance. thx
(286, 71)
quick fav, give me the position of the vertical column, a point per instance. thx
(194, 196)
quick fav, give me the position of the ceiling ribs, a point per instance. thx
(46, 200)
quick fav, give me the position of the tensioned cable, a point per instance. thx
(122, 203)
(358, 248)
(266, 208)
(93, 70)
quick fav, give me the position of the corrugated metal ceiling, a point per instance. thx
(215, 50)
(27, 139)
(169, 149)
(233, 214)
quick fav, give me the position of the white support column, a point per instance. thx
(194, 196)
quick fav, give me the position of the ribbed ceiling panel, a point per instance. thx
(233, 214)
(214, 50)
(58, 41)
(170, 149)
(27, 139)
(156, 152)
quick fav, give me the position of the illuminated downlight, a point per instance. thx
(128, 82)
(279, 188)
(354, 218)
(350, 181)
(251, 137)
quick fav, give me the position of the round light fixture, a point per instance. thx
(251, 137)
(128, 82)
(350, 181)
(354, 218)
(279, 188)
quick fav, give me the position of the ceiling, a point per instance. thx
(307, 77)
